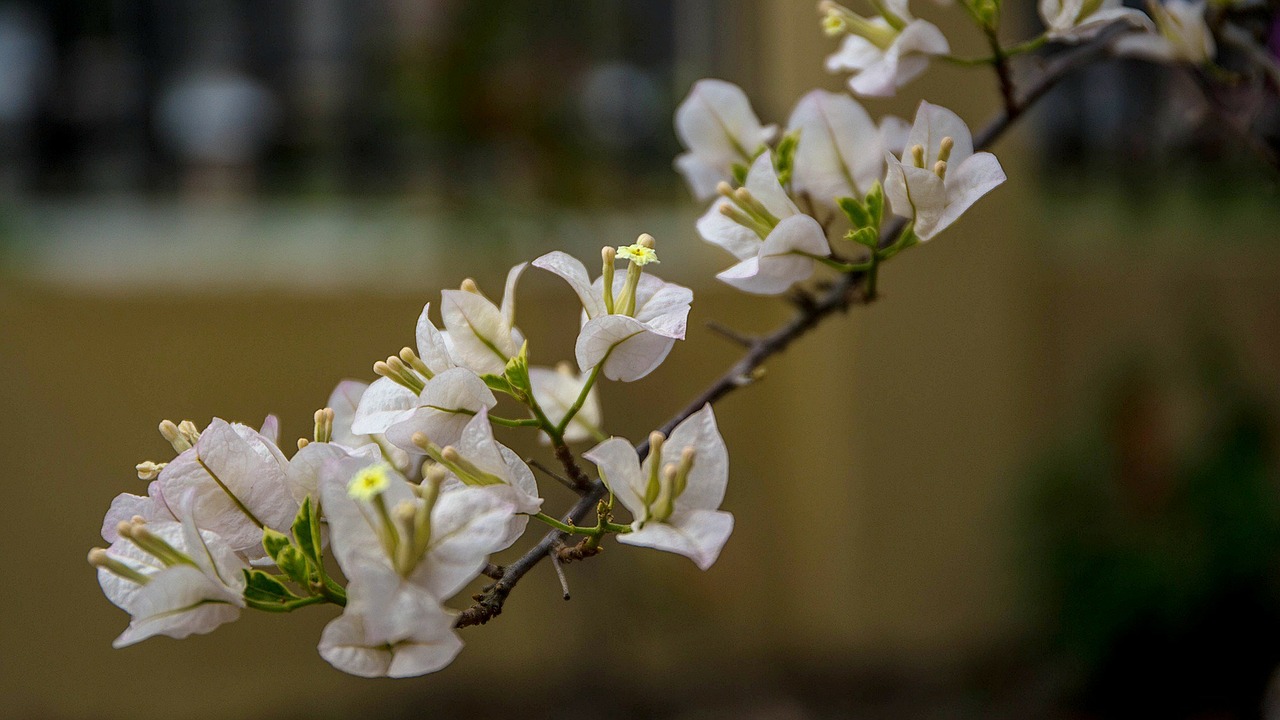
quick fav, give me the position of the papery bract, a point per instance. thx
(885, 58)
(442, 410)
(399, 571)
(719, 129)
(426, 646)
(913, 185)
(176, 599)
(774, 253)
(481, 335)
(627, 347)
(840, 152)
(684, 520)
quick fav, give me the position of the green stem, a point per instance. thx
(512, 422)
(289, 606)
(1021, 48)
(843, 267)
(600, 529)
(582, 398)
(565, 527)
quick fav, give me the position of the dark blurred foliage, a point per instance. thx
(1158, 548)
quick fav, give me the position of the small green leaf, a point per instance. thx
(293, 563)
(785, 156)
(855, 211)
(866, 236)
(273, 542)
(304, 527)
(875, 205)
(264, 588)
(517, 373)
(498, 383)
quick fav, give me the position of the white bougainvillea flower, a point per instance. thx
(345, 401)
(237, 485)
(480, 461)
(719, 129)
(840, 153)
(555, 391)
(172, 578)
(629, 331)
(774, 242)
(1182, 35)
(442, 410)
(405, 548)
(939, 175)
(425, 646)
(885, 52)
(675, 493)
(1073, 21)
(481, 335)
(893, 133)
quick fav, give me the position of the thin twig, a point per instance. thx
(838, 297)
(537, 465)
(729, 333)
(564, 581)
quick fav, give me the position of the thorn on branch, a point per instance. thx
(537, 465)
(564, 581)
(729, 333)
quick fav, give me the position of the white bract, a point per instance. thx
(172, 578)
(1074, 21)
(480, 461)
(425, 646)
(628, 331)
(759, 224)
(440, 411)
(718, 127)
(404, 548)
(939, 175)
(345, 401)
(237, 483)
(840, 153)
(1182, 35)
(885, 52)
(480, 335)
(555, 391)
(675, 494)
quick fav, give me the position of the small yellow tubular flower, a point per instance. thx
(638, 254)
(369, 482)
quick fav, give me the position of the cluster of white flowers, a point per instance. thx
(403, 481)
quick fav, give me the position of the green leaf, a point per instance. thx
(264, 588)
(875, 205)
(273, 542)
(855, 211)
(740, 174)
(305, 531)
(866, 236)
(785, 156)
(293, 563)
(498, 383)
(517, 373)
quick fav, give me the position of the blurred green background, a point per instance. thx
(1038, 479)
